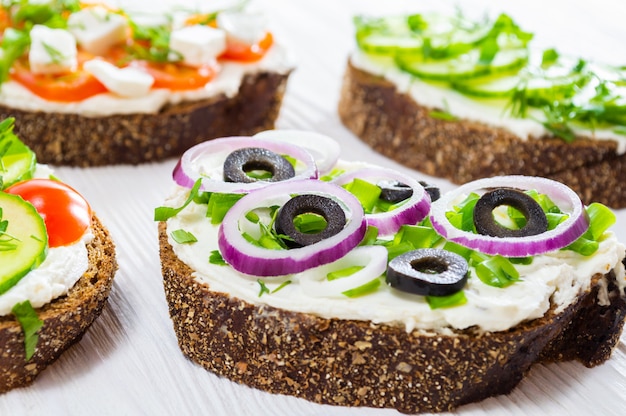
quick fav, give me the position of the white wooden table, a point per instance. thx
(129, 363)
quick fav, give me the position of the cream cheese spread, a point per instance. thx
(488, 111)
(228, 80)
(554, 278)
(53, 278)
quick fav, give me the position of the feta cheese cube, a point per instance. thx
(96, 29)
(52, 51)
(126, 82)
(198, 44)
(248, 26)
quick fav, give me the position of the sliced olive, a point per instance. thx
(536, 221)
(432, 190)
(428, 272)
(394, 191)
(309, 204)
(242, 161)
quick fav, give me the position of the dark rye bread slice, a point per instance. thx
(394, 124)
(75, 140)
(358, 363)
(65, 319)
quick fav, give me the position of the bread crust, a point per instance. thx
(359, 363)
(65, 319)
(394, 124)
(75, 140)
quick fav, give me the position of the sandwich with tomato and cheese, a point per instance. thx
(57, 263)
(91, 85)
(344, 283)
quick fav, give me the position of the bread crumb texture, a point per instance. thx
(65, 319)
(76, 140)
(359, 363)
(393, 124)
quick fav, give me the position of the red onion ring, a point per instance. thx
(206, 160)
(324, 149)
(251, 259)
(564, 234)
(412, 211)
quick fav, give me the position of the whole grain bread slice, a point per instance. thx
(77, 140)
(397, 126)
(65, 319)
(359, 363)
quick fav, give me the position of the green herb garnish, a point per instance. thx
(216, 258)
(165, 213)
(30, 323)
(455, 299)
(183, 237)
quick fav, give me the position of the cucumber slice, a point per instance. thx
(466, 66)
(23, 239)
(386, 36)
(17, 161)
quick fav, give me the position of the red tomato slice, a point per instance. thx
(177, 77)
(65, 212)
(75, 86)
(240, 51)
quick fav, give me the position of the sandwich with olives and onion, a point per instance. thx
(57, 263)
(91, 85)
(466, 99)
(349, 284)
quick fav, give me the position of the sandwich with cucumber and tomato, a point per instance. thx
(465, 99)
(57, 263)
(92, 85)
(295, 272)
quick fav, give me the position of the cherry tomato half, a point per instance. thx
(65, 212)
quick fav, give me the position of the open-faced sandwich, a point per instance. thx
(345, 283)
(465, 99)
(57, 263)
(90, 85)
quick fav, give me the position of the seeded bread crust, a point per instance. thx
(394, 124)
(75, 140)
(65, 319)
(359, 363)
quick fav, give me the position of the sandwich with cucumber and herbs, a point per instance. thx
(295, 272)
(57, 263)
(465, 99)
(92, 85)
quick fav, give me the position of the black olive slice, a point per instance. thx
(536, 221)
(428, 272)
(432, 190)
(244, 160)
(314, 204)
(394, 191)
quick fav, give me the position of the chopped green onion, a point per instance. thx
(264, 289)
(310, 223)
(497, 271)
(364, 289)
(367, 193)
(219, 204)
(455, 299)
(183, 237)
(216, 258)
(348, 271)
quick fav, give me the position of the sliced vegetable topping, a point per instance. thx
(206, 161)
(66, 213)
(386, 217)
(23, 240)
(240, 164)
(493, 58)
(30, 323)
(17, 161)
(428, 272)
(565, 233)
(251, 258)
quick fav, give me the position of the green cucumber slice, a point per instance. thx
(23, 239)
(386, 36)
(465, 66)
(17, 161)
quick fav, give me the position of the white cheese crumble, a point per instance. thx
(96, 29)
(52, 51)
(198, 44)
(554, 278)
(125, 82)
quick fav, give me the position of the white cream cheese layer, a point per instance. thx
(557, 277)
(228, 80)
(492, 112)
(57, 274)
